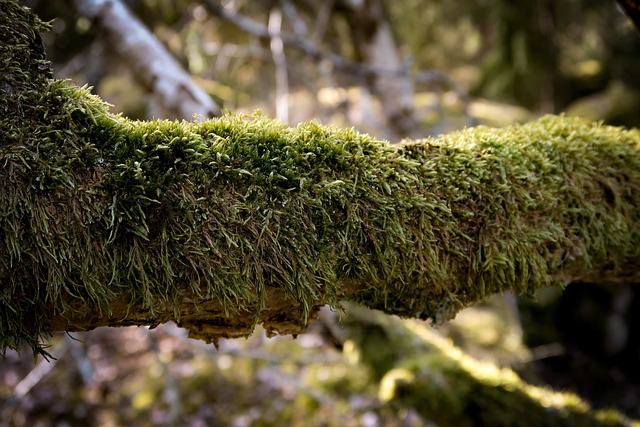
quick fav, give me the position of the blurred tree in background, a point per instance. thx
(393, 69)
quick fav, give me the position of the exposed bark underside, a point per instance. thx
(239, 221)
(205, 319)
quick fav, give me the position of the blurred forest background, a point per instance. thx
(406, 68)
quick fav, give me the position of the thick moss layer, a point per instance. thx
(95, 208)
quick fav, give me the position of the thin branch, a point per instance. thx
(280, 62)
(322, 21)
(85, 367)
(171, 392)
(43, 367)
(299, 27)
(150, 62)
(315, 52)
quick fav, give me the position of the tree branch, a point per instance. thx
(231, 222)
(153, 67)
(419, 369)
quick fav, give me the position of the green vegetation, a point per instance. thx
(95, 208)
(417, 368)
(226, 224)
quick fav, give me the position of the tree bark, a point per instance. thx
(238, 221)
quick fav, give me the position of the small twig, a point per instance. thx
(280, 62)
(171, 390)
(546, 351)
(322, 21)
(82, 361)
(299, 27)
(40, 371)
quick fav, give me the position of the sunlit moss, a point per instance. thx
(426, 372)
(457, 391)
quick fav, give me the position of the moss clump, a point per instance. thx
(417, 368)
(453, 389)
(95, 209)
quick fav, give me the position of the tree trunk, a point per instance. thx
(236, 221)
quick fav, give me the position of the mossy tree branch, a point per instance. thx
(236, 221)
(418, 368)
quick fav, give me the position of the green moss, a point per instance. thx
(417, 368)
(453, 389)
(94, 207)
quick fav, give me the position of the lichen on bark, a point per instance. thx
(240, 220)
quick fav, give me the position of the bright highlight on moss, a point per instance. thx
(419, 369)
